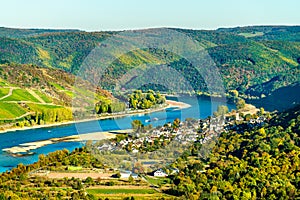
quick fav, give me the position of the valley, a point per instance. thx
(91, 134)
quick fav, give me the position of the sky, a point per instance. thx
(93, 15)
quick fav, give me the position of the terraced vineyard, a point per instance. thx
(11, 111)
(33, 95)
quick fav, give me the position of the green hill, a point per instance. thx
(252, 163)
(18, 51)
(67, 50)
(255, 61)
(279, 33)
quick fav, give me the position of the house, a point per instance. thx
(160, 173)
(125, 174)
(237, 117)
(252, 121)
(135, 150)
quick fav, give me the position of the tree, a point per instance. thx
(240, 104)
(222, 110)
(89, 181)
(234, 93)
(261, 111)
(139, 100)
(176, 123)
(136, 125)
(151, 97)
(118, 175)
(130, 179)
(247, 117)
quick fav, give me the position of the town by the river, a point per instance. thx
(200, 108)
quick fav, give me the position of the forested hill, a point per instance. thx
(256, 61)
(22, 33)
(254, 163)
(282, 33)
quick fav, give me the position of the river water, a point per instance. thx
(200, 108)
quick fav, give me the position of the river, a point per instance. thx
(200, 108)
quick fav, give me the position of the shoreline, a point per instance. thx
(25, 148)
(170, 104)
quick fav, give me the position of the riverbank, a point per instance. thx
(177, 104)
(25, 148)
(169, 104)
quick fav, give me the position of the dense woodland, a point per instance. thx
(256, 61)
(259, 163)
(139, 100)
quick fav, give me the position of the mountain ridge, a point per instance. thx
(247, 57)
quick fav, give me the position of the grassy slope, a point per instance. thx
(3, 92)
(10, 110)
(20, 95)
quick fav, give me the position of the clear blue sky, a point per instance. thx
(93, 15)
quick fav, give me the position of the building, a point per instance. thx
(125, 174)
(160, 173)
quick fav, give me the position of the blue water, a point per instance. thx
(200, 108)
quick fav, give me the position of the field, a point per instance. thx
(121, 192)
(43, 96)
(157, 181)
(10, 110)
(20, 95)
(41, 107)
(3, 92)
(254, 34)
(57, 86)
(74, 168)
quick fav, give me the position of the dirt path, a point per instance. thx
(120, 187)
(9, 93)
(36, 96)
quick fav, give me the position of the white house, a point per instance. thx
(135, 150)
(160, 173)
(125, 174)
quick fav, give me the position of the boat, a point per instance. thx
(151, 120)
